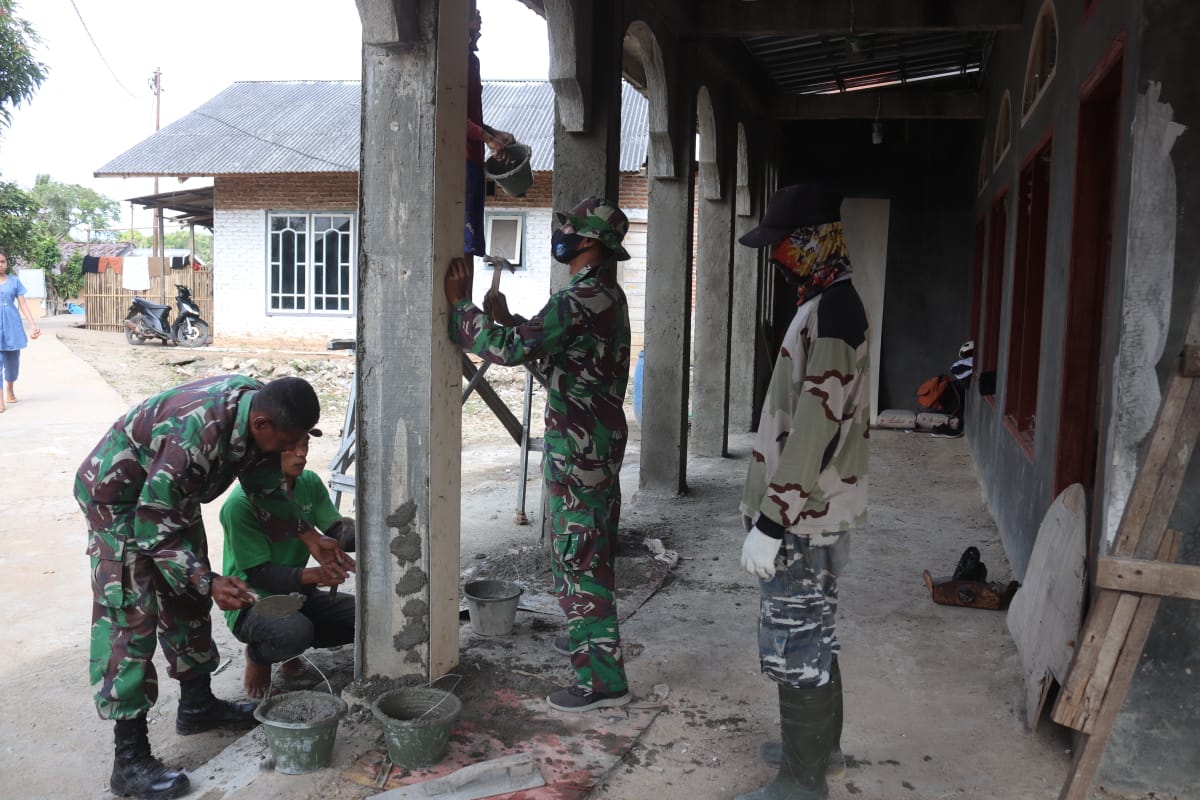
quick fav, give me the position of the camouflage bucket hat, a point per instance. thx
(597, 218)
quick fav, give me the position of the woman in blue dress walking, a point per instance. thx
(12, 333)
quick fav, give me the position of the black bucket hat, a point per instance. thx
(793, 207)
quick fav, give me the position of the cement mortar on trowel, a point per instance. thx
(279, 605)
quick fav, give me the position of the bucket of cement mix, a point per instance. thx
(493, 606)
(416, 724)
(513, 175)
(301, 727)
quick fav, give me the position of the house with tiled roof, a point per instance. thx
(283, 158)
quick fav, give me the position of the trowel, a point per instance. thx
(279, 605)
(486, 779)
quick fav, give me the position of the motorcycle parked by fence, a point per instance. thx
(147, 320)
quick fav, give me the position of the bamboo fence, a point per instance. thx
(106, 303)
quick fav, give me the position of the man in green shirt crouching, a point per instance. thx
(326, 619)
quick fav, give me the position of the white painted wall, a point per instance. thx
(240, 279)
(528, 288)
(865, 222)
(240, 286)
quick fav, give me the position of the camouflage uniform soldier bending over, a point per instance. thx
(807, 485)
(582, 338)
(140, 490)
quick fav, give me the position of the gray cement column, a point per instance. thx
(668, 318)
(744, 328)
(585, 67)
(409, 423)
(710, 401)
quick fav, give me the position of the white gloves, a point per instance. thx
(758, 554)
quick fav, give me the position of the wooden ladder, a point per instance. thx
(1135, 576)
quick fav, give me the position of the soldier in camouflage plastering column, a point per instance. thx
(140, 490)
(581, 339)
(807, 485)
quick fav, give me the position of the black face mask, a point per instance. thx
(565, 246)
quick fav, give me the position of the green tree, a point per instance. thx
(69, 282)
(18, 220)
(175, 240)
(67, 206)
(20, 73)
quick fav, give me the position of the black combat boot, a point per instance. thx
(136, 772)
(772, 752)
(200, 711)
(806, 724)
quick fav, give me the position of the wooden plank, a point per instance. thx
(1190, 366)
(1090, 752)
(1045, 615)
(1099, 618)
(493, 400)
(1163, 447)
(1149, 577)
(1106, 661)
(1088, 755)
(1172, 474)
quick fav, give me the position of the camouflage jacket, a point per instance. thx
(142, 486)
(581, 339)
(808, 473)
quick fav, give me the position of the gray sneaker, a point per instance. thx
(577, 699)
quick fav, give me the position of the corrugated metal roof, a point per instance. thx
(526, 110)
(823, 63)
(255, 127)
(313, 126)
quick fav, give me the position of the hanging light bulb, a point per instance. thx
(877, 127)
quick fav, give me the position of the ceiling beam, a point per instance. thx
(742, 18)
(868, 105)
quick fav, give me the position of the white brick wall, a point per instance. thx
(528, 288)
(240, 279)
(240, 285)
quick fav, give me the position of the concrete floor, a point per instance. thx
(933, 693)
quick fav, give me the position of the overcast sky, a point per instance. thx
(96, 102)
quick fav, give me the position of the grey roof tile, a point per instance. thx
(261, 127)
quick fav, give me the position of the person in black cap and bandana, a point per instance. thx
(807, 485)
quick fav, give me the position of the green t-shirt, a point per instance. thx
(247, 545)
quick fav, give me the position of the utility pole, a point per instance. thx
(157, 246)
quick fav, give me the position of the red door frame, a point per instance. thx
(1093, 222)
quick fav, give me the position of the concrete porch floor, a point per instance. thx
(933, 693)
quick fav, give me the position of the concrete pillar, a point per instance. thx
(714, 225)
(585, 70)
(744, 313)
(710, 402)
(409, 423)
(668, 321)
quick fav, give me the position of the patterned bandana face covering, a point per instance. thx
(814, 256)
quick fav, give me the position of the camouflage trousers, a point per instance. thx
(797, 638)
(583, 539)
(132, 605)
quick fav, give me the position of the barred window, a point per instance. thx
(310, 264)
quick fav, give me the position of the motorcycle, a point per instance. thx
(147, 320)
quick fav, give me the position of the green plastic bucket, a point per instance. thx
(301, 727)
(416, 724)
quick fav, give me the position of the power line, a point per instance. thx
(280, 145)
(102, 58)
